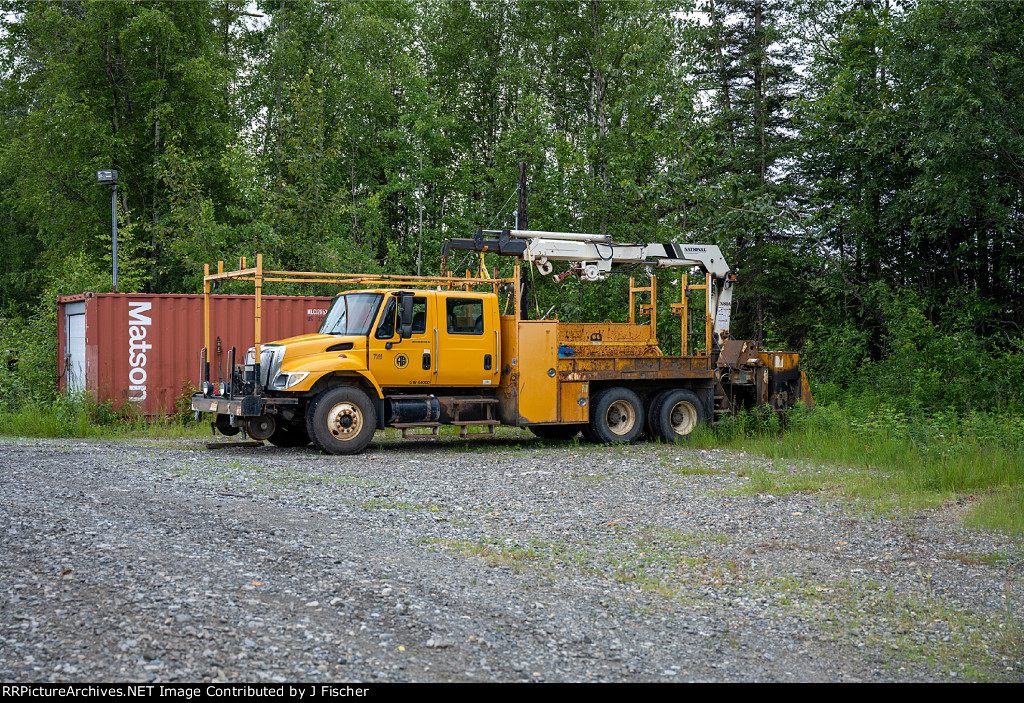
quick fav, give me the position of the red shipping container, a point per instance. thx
(143, 349)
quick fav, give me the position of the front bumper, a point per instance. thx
(239, 406)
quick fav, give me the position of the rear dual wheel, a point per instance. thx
(616, 415)
(674, 414)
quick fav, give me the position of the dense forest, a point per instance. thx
(861, 162)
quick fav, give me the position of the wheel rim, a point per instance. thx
(260, 427)
(344, 421)
(621, 417)
(683, 418)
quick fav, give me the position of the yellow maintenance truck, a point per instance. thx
(416, 353)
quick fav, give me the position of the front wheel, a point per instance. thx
(341, 420)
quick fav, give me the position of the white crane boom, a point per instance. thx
(595, 255)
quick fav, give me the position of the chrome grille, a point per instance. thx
(271, 356)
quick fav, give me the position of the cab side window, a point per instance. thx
(419, 315)
(386, 326)
(465, 316)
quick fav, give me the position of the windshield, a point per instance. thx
(351, 314)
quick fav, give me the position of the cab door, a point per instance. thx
(467, 340)
(397, 362)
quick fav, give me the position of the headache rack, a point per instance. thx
(259, 276)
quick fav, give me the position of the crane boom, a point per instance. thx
(594, 255)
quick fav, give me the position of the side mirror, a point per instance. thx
(406, 304)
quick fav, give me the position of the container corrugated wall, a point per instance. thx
(143, 349)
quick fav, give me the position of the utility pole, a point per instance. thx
(419, 244)
(523, 224)
(110, 178)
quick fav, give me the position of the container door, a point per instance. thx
(396, 362)
(74, 363)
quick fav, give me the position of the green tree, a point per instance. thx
(912, 158)
(964, 67)
(745, 61)
(92, 85)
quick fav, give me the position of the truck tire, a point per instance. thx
(588, 428)
(557, 433)
(341, 420)
(289, 436)
(651, 408)
(617, 416)
(679, 413)
(224, 426)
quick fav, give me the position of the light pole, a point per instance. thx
(110, 178)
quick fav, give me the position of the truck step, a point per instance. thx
(488, 426)
(474, 400)
(408, 427)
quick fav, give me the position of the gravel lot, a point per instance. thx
(493, 560)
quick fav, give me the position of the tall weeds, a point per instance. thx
(886, 453)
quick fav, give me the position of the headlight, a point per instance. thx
(287, 380)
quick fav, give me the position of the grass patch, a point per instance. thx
(652, 560)
(689, 464)
(1002, 510)
(986, 559)
(790, 478)
(517, 558)
(269, 478)
(887, 457)
(389, 504)
(79, 416)
(910, 629)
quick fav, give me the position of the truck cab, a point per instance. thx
(395, 341)
(381, 358)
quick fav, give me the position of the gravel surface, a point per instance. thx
(494, 560)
